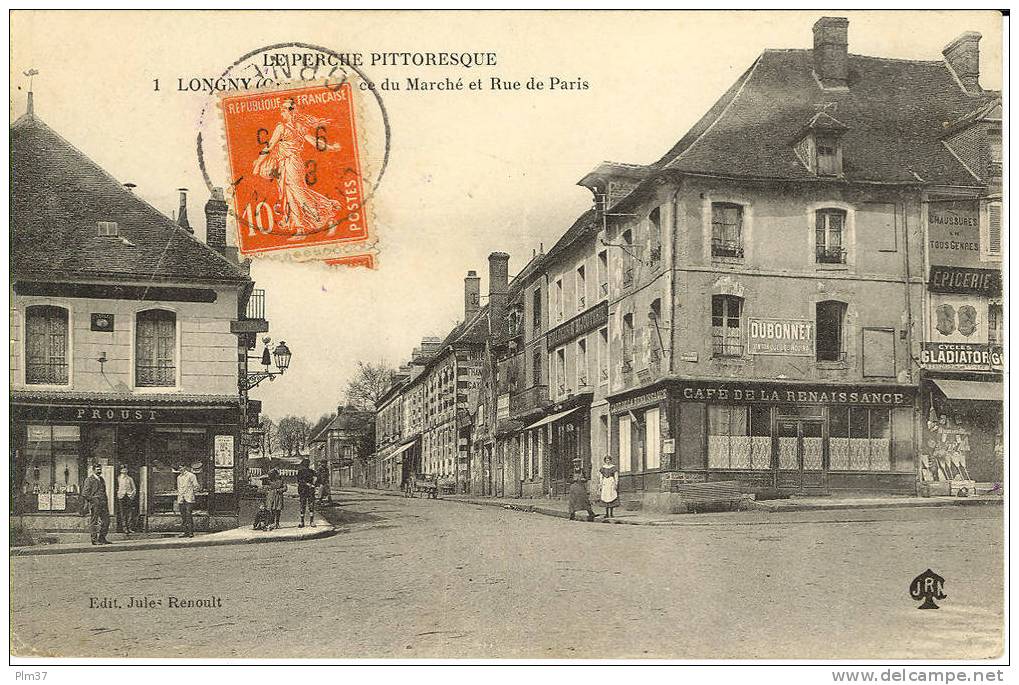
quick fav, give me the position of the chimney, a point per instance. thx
(182, 213)
(472, 294)
(131, 186)
(831, 52)
(498, 286)
(215, 221)
(963, 57)
(30, 110)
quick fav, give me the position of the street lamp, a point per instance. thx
(282, 356)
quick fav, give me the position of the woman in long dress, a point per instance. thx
(609, 486)
(301, 209)
(274, 489)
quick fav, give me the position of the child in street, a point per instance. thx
(261, 518)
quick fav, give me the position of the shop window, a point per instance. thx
(860, 439)
(603, 273)
(653, 439)
(46, 345)
(726, 230)
(727, 325)
(625, 448)
(581, 288)
(50, 474)
(156, 349)
(739, 437)
(627, 342)
(829, 230)
(654, 221)
(994, 325)
(830, 331)
(169, 448)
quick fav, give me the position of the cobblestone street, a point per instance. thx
(422, 578)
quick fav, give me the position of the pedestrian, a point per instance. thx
(274, 488)
(609, 486)
(261, 517)
(306, 492)
(93, 491)
(187, 488)
(323, 483)
(579, 499)
(126, 494)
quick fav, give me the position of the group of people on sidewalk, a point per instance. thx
(96, 506)
(580, 500)
(311, 486)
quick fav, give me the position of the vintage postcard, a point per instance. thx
(545, 335)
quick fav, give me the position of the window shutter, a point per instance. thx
(994, 228)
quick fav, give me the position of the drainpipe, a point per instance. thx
(672, 279)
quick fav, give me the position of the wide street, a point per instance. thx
(421, 578)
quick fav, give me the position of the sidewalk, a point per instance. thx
(764, 512)
(243, 535)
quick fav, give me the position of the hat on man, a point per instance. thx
(196, 466)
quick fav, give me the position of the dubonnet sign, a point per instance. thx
(785, 337)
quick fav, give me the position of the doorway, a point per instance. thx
(131, 445)
(801, 454)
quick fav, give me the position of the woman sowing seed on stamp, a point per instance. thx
(300, 208)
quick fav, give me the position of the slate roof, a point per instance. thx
(348, 420)
(894, 111)
(58, 195)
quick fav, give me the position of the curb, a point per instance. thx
(204, 541)
(835, 506)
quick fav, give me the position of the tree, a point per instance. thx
(369, 384)
(268, 436)
(292, 434)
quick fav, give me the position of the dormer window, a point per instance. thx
(108, 229)
(828, 158)
(819, 146)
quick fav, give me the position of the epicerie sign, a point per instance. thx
(786, 337)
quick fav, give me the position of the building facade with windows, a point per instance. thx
(767, 291)
(129, 343)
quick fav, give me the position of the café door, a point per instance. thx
(801, 454)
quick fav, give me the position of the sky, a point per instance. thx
(469, 172)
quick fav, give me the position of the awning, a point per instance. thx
(550, 419)
(971, 390)
(401, 450)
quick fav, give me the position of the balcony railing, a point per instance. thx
(46, 373)
(830, 255)
(726, 248)
(535, 397)
(155, 375)
(256, 305)
(830, 355)
(726, 346)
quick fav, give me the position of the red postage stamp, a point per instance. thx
(295, 168)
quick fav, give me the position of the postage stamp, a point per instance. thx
(295, 168)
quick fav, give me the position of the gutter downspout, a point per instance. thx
(672, 278)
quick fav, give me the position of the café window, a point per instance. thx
(46, 345)
(860, 439)
(49, 475)
(829, 232)
(156, 349)
(625, 446)
(739, 437)
(727, 325)
(994, 325)
(652, 439)
(726, 230)
(831, 317)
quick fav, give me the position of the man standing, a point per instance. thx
(187, 488)
(94, 492)
(126, 494)
(306, 492)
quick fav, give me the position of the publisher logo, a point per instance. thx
(928, 586)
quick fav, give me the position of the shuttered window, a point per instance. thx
(155, 349)
(46, 345)
(994, 228)
(625, 450)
